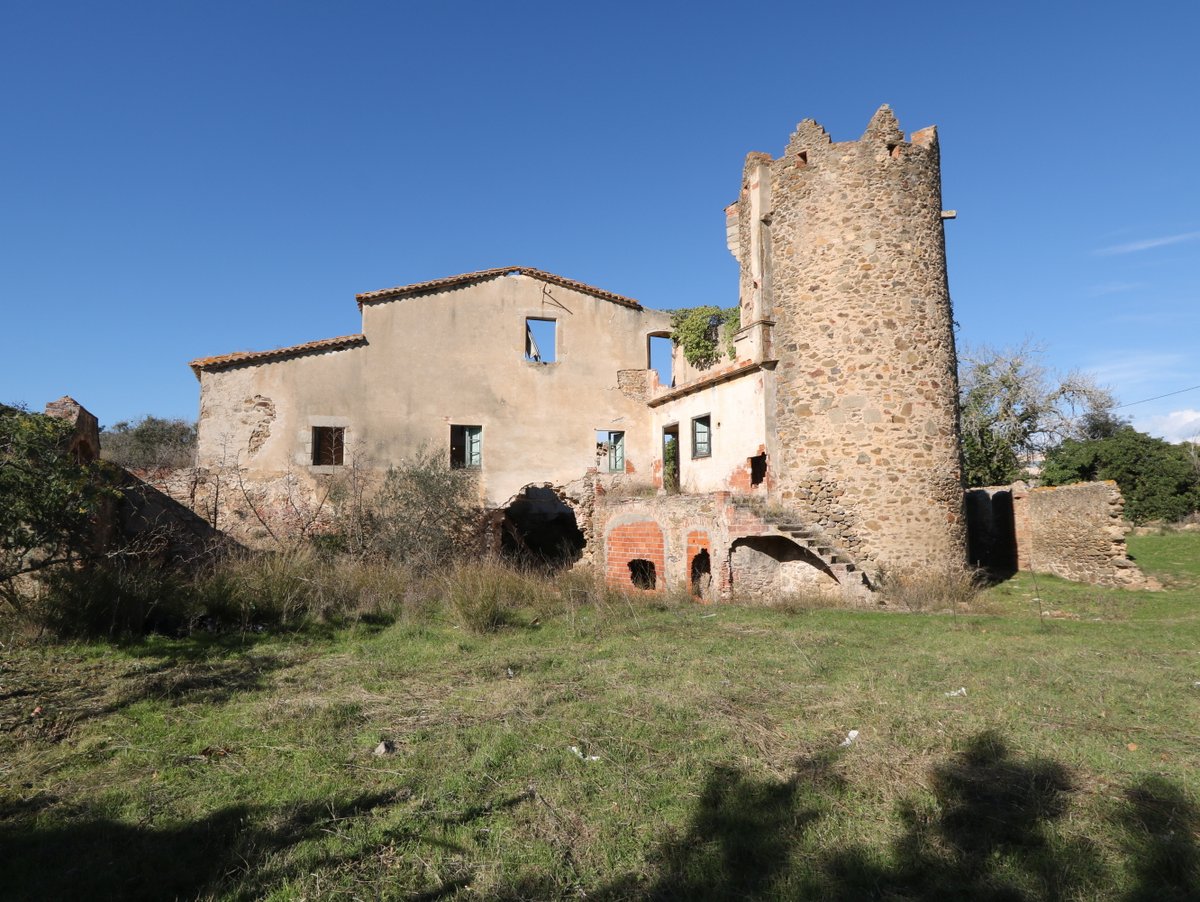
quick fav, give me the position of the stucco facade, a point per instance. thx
(827, 449)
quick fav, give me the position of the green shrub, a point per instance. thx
(1158, 480)
(486, 596)
(697, 330)
(424, 514)
(112, 602)
(150, 442)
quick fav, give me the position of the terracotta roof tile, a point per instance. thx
(239, 357)
(387, 294)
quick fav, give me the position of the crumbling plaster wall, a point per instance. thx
(736, 412)
(451, 356)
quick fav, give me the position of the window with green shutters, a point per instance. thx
(616, 452)
(701, 437)
(466, 447)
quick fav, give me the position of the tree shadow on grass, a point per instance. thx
(230, 853)
(1161, 824)
(989, 834)
(986, 838)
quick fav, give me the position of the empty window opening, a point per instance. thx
(701, 437)
(701, 575)
(539, 530)
(712, 329)
(540, 344)
(758, 469)
(660, 351)
(670, 459)
(802, 159)
(641, 573)
(610, 450)
(328, 446)
(466, 447)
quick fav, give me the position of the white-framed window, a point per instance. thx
(616, 451)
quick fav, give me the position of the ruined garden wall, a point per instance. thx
(853, 272)
(1076, 532)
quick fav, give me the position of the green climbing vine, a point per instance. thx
(697, 331)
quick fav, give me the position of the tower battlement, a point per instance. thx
(842, 256)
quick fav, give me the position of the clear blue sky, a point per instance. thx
(185, 179)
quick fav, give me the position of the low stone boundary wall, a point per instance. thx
(1073, 531)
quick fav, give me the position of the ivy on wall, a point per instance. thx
(698, 331)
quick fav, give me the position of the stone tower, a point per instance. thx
(843, 283)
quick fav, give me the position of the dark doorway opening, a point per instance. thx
(642, 574)
(758, 469)
(671, 459)
(539, 530)
(702, 575)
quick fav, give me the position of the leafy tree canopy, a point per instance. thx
(47, 500)
(149, 443)
(1158, 480)
(1014, 410)
(698, 331)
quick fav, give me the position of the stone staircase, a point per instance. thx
(856, 583)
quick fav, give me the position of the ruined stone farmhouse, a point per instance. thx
(824, 452)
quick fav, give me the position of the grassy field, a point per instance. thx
(1041, 746)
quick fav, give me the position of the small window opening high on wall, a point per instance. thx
(641, 573)
(328, 446)
(540, 340)
(659, 351)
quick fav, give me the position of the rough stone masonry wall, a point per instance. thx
(867, 393)
(1076, 532)
(671, 530)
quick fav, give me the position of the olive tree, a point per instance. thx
(1014, 409)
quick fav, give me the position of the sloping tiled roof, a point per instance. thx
(239, 357)
(387, 294)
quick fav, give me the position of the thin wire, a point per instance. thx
(1156, 397)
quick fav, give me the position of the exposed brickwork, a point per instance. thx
(634, 383)
(635, 541)
(688, 524)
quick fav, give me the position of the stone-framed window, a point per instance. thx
(466, 447)
(328, 446)
(702, 436)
